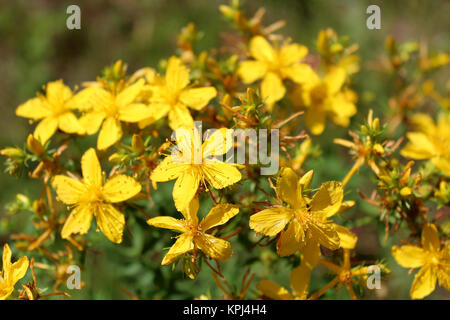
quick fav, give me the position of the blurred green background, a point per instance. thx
(36, 47)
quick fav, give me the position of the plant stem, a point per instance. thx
(330, 285)
(352, 171)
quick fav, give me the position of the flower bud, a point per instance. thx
(405, 191)
(378, 148)
(12, 152)
(35, 146)
(137, 144)
(252, 99)
(227, 100)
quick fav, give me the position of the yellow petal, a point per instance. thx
(57, 93)
(190, 212)
(273, 291)
(93, 99)
(409, 256)
(129, 94)
(185, 188)
(197, 98)
(18, 269)
(213, 247)
(111, 222)
(218, 143)
(158, 110)
(311, 254)
(300, 73)
(304, 182)
(6, 258)
(78, 221)
(110, 133)
(183, 244)
(167, 223)
(167, 170)
(442, 163)
(287, 186)
(261, 50)
(328, 199)
(292, 53)
(325, 234)
(423, 122)
(443, 124)
(5, 292)
(68, 123)
(45, 129)
(443, 275)
(92, 121)
(221, 175)
(189, 142)
(430, 238)
(120, 188)
(220, 214)
(299, 279)
(315, 119)
(272, 88)
(419, 146)
(135, 112)
(271, 221)
(289, 243)
(252, 70)
(424, 282)
(334, 80)
(177, 75)
(347, 238)
(90, 167)
(180, 117)
(69, 191)
(343, 109)
(33, 109)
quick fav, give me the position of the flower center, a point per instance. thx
(304, 218)
(318, 94)
(94, 194)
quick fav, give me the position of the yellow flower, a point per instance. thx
(273, 65)
(345, 274)
(299, 279)
(171, 96)
(107, 109)
(324, 98)
(90, 197)
(433, 261)
(193, 234)
(192, 163)
(307, 217)
(431, 141)
(11, 273)
(54, 110)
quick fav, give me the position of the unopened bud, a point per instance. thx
(227, 11)
(227, 100)
(137, 144)
(376, 124)
(378, 148)
(11, 152)
(251, 97)
(405, 191)
(35, 146)
(39, 207)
